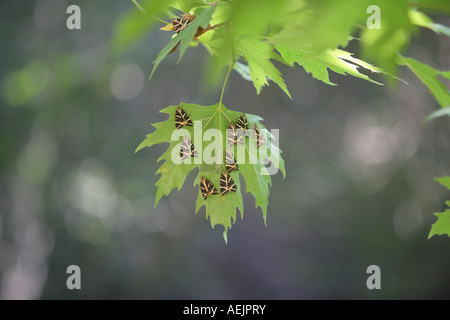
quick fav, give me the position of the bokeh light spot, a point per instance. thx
(127, 82)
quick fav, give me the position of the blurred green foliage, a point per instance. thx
(430, 77)
(305, 29)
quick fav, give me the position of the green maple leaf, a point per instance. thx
(422, 20)
(396, 30)
(337, 60)
(256, 17)
(429, 77)
(320, 24)
(185, 36)
(445, 181)
(219, 209)
(442, 225)
(258, 54)
(187, 5)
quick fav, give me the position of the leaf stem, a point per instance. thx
(138, 6)
(225, 82)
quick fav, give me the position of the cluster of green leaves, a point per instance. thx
(251, 35)
(219, 209)
(254, 37)
(442, 225)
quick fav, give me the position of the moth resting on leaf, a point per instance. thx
(227, 184)
(187, 149)
(219, 183)
(230, 161)
(242, 123)
(182, 119)
(258, 136)
(207, 188)
(178, 24)
(236, 135)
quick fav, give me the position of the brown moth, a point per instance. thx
(230, 161)
(207, 188)
(258, 136)
(182, 118)
(227, 184)
(187, 149)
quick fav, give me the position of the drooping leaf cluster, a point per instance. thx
(256, 37)
(220, 209)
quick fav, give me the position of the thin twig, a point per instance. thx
(138, 6)
(143, 10)
(225, 83)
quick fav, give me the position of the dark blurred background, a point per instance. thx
(359, 188)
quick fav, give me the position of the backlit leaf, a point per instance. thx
(252, 168)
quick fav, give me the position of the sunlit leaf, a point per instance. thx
(442, 225)
(185, 37)
(219, 209)
(381, 46)
(321, 25)
(430, 77)
(258, 55)
(339, 61)
(422, 20)
(445, 181)
(255, 17)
